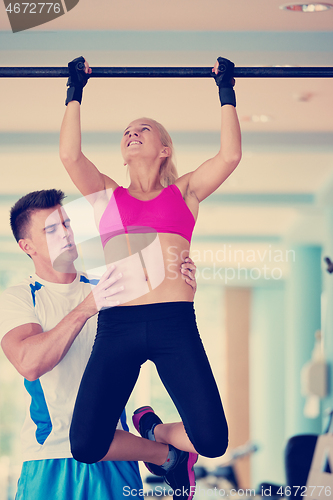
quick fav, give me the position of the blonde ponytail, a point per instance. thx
(168, 171)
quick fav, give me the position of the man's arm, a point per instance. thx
(34, 352)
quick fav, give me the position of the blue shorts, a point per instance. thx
(66, 479)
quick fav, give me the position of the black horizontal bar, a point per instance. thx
(177, 72)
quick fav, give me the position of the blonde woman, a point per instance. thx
(144, 228)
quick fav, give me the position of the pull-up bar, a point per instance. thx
(178, 72)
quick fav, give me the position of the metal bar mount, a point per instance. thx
(177, 72)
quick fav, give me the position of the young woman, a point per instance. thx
(151, 222)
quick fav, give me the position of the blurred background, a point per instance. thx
(260, 240)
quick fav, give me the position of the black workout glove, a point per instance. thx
(77, 80)
(225, 81)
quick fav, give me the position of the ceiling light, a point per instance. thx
(307, 7)
(261, 118)
(257, 118)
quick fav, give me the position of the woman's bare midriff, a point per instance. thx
(150, 265)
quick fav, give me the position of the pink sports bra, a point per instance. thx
(166, 213)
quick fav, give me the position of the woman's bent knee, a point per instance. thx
(86, 455)
(212, 446)
(213, 451)
(87, 452)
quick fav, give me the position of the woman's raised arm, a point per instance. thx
(212, 173)
(86, 177)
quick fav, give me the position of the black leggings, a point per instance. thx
(165, 333)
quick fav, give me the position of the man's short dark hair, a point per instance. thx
(21, 212)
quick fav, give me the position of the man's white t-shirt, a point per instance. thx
(51, 398)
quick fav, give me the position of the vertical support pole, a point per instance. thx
(303, 318)
(328, 310)
(267, 383)
(237, 306)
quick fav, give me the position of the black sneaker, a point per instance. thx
(180, 477)
(144, 420)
